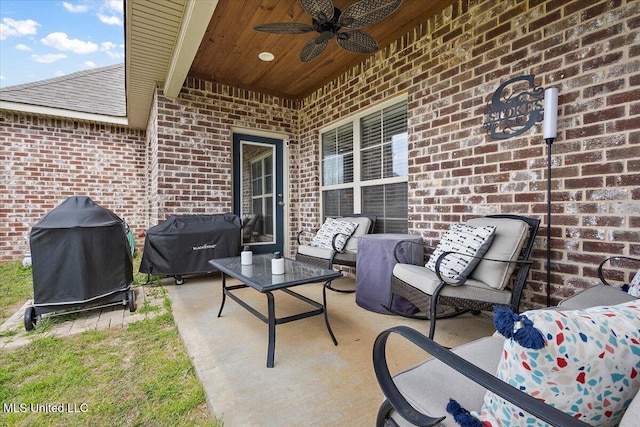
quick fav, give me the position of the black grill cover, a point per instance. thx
(185, 243)
(79, 253)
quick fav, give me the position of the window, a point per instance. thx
(262, 191)
(365, 167)
(337, 155)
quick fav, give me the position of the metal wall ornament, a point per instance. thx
(514, 108)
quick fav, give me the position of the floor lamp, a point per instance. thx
(549, 133)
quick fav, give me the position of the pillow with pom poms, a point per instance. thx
(583, 362)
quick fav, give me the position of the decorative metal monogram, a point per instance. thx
(514, 108)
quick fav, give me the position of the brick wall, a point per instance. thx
(152, 164)
(45, 161)
(450, 67)
(193, 142)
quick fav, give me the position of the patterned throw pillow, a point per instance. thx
(589, 367)
(463, 239)
(330, 228)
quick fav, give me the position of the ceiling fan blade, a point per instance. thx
(320, 10)
(312, 49)
(367, 12)
(357, 41)
(284, 28)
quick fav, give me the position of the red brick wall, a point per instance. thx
(193, 142)
(450, 67)
(45, 161)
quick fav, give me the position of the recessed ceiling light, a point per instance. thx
(266, 56)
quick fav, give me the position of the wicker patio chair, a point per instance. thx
(327, 257)
(612, 267)
(482, 287)
(249, 223)
(420, 395)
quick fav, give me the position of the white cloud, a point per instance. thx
(10, 27)
(111, 12)
(110, 20)
(61, 41)
(90, 64)
(23, 47)
(110, 49)
(75, 8)
(2, 77)
(115, 5)
(49, 58)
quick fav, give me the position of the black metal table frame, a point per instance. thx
(271, 320)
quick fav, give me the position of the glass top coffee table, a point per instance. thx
(258, 276)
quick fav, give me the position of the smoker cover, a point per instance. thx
(79, 253)
(185, 243)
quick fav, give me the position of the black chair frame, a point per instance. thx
(429, 304)
(612, 260)
(395, 399)
(328, 263)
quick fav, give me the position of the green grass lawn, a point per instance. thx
(136, 376)
(15, 288)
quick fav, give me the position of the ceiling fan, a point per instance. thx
(330, 22)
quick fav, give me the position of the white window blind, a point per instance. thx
(337, 155)
(364, 167)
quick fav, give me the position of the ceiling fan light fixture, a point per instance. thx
(266, 56)
(327, 35)
(346, 22)
(328, 21)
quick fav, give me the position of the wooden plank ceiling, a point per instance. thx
(229, 50)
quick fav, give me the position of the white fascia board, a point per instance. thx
(196, 19)
(67, 114)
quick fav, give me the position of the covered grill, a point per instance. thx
(183, 244)
(81, 259)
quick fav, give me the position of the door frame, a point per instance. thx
(281, 141)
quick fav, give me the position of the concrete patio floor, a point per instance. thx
(313, 382)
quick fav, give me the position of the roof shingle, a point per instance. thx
(95, 91)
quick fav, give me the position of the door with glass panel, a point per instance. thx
(258, 196)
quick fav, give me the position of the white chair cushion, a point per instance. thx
(631, 416)
(595, 295)
(315, 252)
(461, 239)
(426, 281)
(429, 385)
(508, 239)
(363, 228)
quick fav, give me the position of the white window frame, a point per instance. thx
(357, 184)
(263, 196)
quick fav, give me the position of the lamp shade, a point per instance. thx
(550, 126)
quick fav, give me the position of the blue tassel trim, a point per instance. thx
(504, 319)
(517, 327)
(625, 288)
(462, 416)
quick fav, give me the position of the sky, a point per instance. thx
(42, 39)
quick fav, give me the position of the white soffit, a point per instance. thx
(196, 20)
(157, 31)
